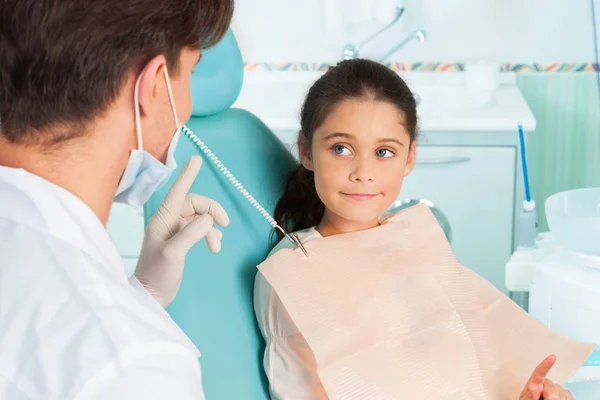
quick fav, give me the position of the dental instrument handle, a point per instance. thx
(524, 163)
(528, 227)
(296, 240)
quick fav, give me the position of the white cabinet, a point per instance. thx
(474, 188)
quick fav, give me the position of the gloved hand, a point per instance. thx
(181, 221)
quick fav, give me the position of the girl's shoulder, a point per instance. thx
(304, 235)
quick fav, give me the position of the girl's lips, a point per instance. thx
(359, 196)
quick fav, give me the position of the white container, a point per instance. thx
(564, 294)
(482, 75)
(574, 219)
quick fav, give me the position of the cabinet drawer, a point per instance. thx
(474, 188)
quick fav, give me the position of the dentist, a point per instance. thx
(92, 96)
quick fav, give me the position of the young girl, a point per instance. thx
(356, 145)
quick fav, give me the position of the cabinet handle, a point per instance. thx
(444, 160)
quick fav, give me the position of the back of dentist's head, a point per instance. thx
(300, 206)
(63, 63)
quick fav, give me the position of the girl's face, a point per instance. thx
(360, 156)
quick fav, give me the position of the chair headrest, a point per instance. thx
(217, 79)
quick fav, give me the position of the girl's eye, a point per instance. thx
(341, 150)
(384, 153)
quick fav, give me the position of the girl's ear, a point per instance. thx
(304, 152)
(412, 155)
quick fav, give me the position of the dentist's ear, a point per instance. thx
(304, 152)
(151, 87)
(157, 122)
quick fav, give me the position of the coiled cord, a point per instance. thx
(208, 152)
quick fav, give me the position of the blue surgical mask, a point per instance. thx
(144, 174)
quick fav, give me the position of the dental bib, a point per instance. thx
(389, 313)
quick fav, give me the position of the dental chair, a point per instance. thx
(214, 304)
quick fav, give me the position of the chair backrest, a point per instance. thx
(214, 305)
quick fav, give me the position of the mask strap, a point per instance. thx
(171, 98)
(136, 106)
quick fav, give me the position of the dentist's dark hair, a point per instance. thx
(63, 62)
(300, 206)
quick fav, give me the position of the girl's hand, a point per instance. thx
(538, 387)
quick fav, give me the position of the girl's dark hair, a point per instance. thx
(300, 207)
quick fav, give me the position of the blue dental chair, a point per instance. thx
(214, 304)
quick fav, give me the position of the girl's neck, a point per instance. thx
(334, 225)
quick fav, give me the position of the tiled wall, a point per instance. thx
(513, 31)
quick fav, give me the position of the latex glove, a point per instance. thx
(539, 387)
(181, 221)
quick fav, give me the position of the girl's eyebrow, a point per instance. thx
(338, 135)
(383, 140)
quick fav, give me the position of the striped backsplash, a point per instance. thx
(424, 66)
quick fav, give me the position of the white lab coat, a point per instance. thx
(72, 326)
(288, 360)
